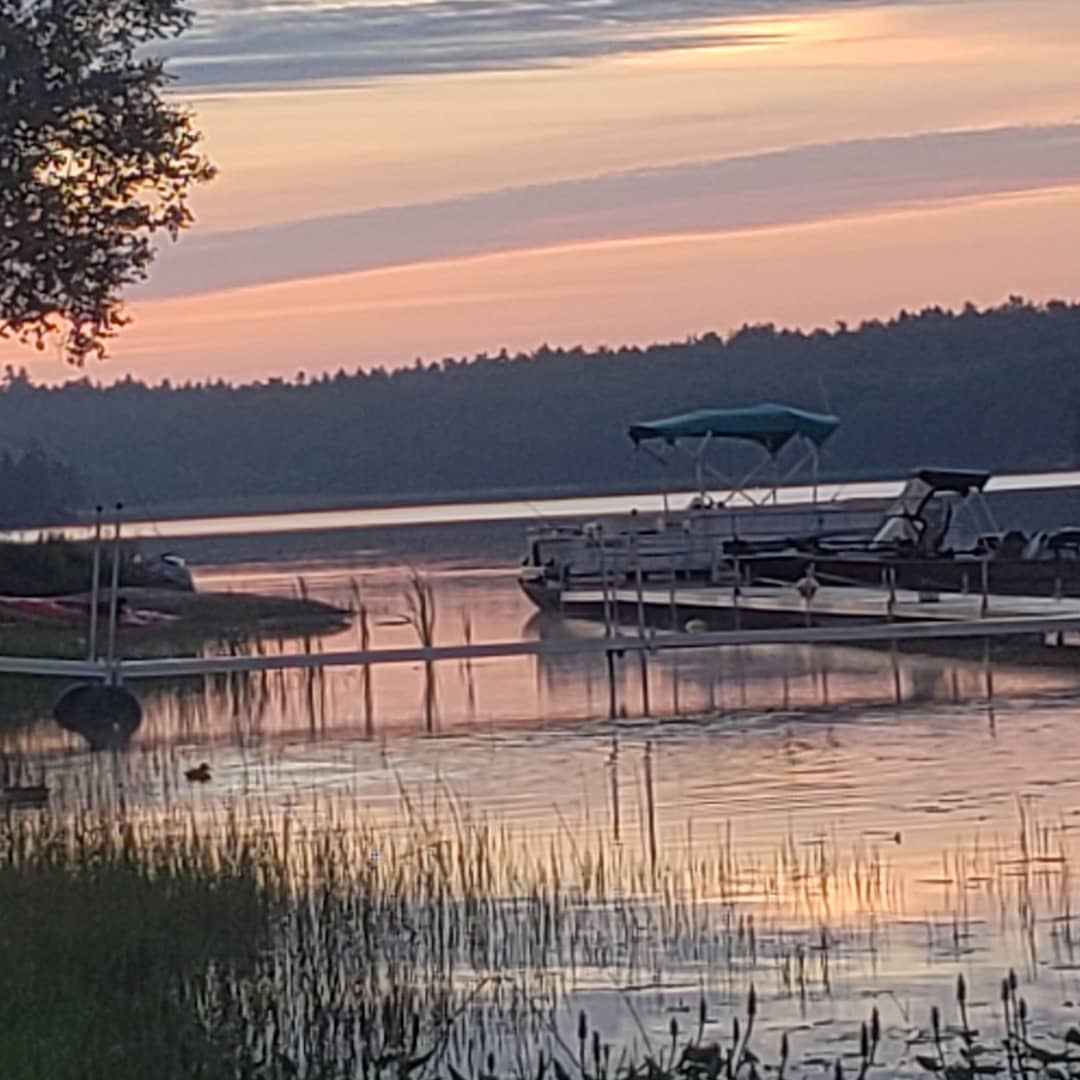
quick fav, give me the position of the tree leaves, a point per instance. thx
(93, 163)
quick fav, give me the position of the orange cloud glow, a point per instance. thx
(614, 292)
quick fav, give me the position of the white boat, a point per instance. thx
(703, 542)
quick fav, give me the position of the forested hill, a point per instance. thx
(997, 388)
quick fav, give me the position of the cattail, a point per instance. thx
(935, 1022)
(875, 1027)
(864, 1042)
(751, 1003)
(961, 990)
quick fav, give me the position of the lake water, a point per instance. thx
(916, 813)
(538, 510)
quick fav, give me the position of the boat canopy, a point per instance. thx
(772, 426)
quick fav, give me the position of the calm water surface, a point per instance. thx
(956, 787)
(539, 510)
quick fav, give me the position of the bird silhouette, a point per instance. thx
(200, 774)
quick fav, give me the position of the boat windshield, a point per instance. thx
(920, 518)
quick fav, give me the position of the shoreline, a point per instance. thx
(195, 619)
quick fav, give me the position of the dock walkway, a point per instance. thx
(950, 621)
(835, 602)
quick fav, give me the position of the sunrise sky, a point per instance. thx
(443, 177)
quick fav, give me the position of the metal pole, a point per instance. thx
(988, 672)
(613, 762)
(735, 586)
(650, 803)
(613, 697)
(114, 598)
(643, 662)
(95, 587)
(604, 584)
(639, 582)
(985, 605)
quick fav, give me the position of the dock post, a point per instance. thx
(676, 707)
(650, 806)
(613, 766)
(984, 605)
(643, 660)
(604, 591)
(898, 686)
(114, 602)
(736, 611)
(639, 583)
(365, 674)
(613, 694)
(643, 663)
(95, 587)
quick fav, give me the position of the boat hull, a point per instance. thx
(1003, 577)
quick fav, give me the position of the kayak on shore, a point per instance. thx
(76, 609)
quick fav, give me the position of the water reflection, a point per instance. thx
(756, 802)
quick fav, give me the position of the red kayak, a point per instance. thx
(76, 609)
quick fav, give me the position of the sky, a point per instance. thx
(432, 178)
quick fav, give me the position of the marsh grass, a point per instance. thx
(246, 939)
(104, 935)
(199, 936)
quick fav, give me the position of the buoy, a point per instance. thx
(106, 716)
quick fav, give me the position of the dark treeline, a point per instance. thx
(998, 389)
(35, 487)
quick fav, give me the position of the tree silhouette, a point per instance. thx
(93, 162)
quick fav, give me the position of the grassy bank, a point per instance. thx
(52, 566)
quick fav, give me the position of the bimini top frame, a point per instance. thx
(772, 427)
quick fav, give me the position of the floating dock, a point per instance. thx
(1047, 621)
(763, 606)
